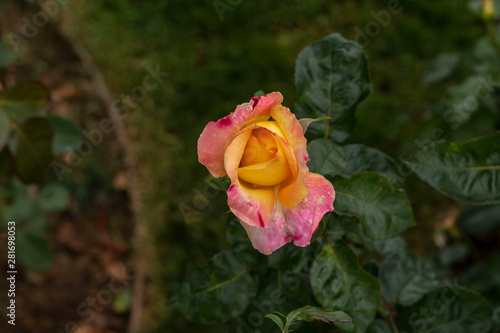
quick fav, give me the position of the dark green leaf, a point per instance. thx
(33, 250)
(486, 57)
(34, 150)
(448, 310)
(339, 283)
(477, 220)
(309, 313)
(496, 320)
(362, 158)
(340, 226)
(405, 278)
(378, 201)
(259, 93)
(327, 158)
(441, 68)
(4, 129)
(216, 293)
(484, 277)
(6, 55)
(453, 253)
(379, 326)
(5, 162)
(241, 245)
(459, 104)
(468, 171)
(24, 100)
(331, 76)
(54, 198)
(291, 258)
(66, 134)
(221, 183)
(278, 293)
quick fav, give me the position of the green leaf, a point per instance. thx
(379, 326)
(378, 201)
(441, 68)
(216, 293)
(6, 55)
(327, 158)
(338, 283)
(362, 158)
(294, 259)
(448, 310)
(278, 293)
(341, 226)
(221, 183)
(259, 93)
(331, 76)
(33, 250)
(305, 122)
(405, 278)
(34, 150)
(484, 277)
(309, 313)
(486, 57)
(459, 104)
(66, 134)
(496, 320)
(241, 244)
(477, 220)
(468, 171)
(453, 253)
(24, 100)
(5, 162)
(4, 129)
(277, 320)
(54, 198)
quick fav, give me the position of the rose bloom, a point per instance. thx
(262, 148)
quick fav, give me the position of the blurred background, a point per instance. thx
(105, 230)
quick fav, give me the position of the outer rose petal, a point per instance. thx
(303, 220)
(298, 223)
(293, 191)
(272, 238)
(252, 205)
(217, 136)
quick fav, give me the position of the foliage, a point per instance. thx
(371, 211)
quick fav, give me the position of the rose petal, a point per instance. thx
(303, 220)
(252, 205)
(294, 190)
(298, 223)
(216, 136)
(275, 236)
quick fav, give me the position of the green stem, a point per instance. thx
(493, 34)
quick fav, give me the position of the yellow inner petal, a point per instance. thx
(261, 147)
(264, 162)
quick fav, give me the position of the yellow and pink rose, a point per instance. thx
(262, 148)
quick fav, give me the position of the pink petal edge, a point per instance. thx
(218, 135)
(298, 223)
